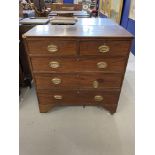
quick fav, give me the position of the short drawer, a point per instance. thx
(76, 81)
(52, 47)
(66, 65)
(78, 97)
(101, 47)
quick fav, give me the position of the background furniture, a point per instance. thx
(90, 6)
(79, 14)
(66, 7)
(82, 21)
(40, 8)
(28, 13)
(24, 70)
(34, 21)
(78, 65)
(128, 19)
(63, 20)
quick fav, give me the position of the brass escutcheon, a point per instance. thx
(95, 84)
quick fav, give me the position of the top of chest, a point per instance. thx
(87, 29)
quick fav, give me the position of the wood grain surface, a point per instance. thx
(83, 73)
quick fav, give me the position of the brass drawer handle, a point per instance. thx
(54, 64)
(98, 98)
(102, 65)
(58, 97)
(103, 48)
(95, 84)
(52, 48)
(56, 80)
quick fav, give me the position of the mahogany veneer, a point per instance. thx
(78, 65)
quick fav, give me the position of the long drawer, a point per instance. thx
(66, 65)
(86, 80)
(104, 47)
(50, 46)
(78, 97)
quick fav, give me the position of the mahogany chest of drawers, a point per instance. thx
(78, 65)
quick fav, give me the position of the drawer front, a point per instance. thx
(52, 47)
(78, 98)
(110, 48)
(52, 65)
(89, 81)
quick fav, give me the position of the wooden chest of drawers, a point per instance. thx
(78, 65)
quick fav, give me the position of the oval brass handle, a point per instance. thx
(102, 65)
(56, 80)
(52, 48)
(95, 84)
(103, 48)
(98, 98)
(58, 97)
(54, 64)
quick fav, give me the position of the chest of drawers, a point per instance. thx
(78, 65)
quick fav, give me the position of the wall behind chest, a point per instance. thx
(127, 15)
(68, 1)
(128, 19)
